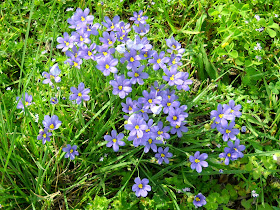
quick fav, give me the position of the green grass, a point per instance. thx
(37, 176)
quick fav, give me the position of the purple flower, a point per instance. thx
(198, 161)
(167, 103)
(107, 65)
(150, 100)
(173, 77)
(81, 37)
(186, 83)
(111, 25)
(130, 106)
(74, 59)
(80, 93)
(53, 75)
(237, 147)
(228, 154)
(44, 135)
(221, 116)
(70, 151)
(175, 60)
(88, 52)
(80, 19)
(163, 155)
(174, 46)
(146, 54)
(136, 125)
(137, 75)
(108, 39)
(92, 29)
(104, 51)
(176, 116)
(66, 42)
(141, 29)
(124, 28)
(137, 140)
(160, 131)
(54, 100)
(114, 140)
(199, 200)
(27, 101)
(132, 58)
(138, 17)
(234, 110)
(121, 86)
(159, 60)
(228, 131)
(243, 129)
(141, 187)
(51, 123)
(151, 144)
(179, 129)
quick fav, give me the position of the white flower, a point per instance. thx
(257, 17)
(101, 159)
(218, 145)
(258, 46)
(274, 157)
(44, 52)
(276, 15)
(8, 88)
(36, 118)
(153, 3)
(219, 16)
(186, 189)
(258, 57)
(69, 9)
(246, 21)
(53, 60)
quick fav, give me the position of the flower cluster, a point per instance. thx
(220, 119)
(50, 124)
(233, 152)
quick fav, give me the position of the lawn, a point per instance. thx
(140, 104)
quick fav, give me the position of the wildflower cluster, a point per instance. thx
(224, 121)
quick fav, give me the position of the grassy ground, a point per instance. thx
(221, 60)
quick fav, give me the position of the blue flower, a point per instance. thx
(141, 187)
(198, 161)
(114, 140)
(70, 151)
(163, 155)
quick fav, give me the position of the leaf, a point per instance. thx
(233, 54)
(247, 203)
(271, 33)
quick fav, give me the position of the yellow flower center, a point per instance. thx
(82, 18)
(105, 53)
(168, 104)
(175, 118)
(76, 55)
(26, 103)
(137, 127)
(71, 151)
(129, 108)
(131, 59)
(173, 46)
(147, 130)
(197, 199)
(150, 141)
(235, 149)
(140, 186)
(150, 101)
(88, 29)
(196, 161)
(141, 31)
(228, 154)
(107, 66)
(81, 38)
(121, 38)
(172, 77)
(109, 41)
(112, 27)
(162, 155)
(89, 53)
(177, 126)
(169, 97)
(51, 126)
(138, 19)
(142, 110)
(51, 76)
(136, 75)
(66, 43)
(158, 60)
(160, 132)
(44, 135)
(228, 131)
(120, 87)
(75, 64)
(123, 32)
(173, 62)
(231, 111)
(146, 54)
(221, 115)
(217, 123)
(114, 140)
(80, 94)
